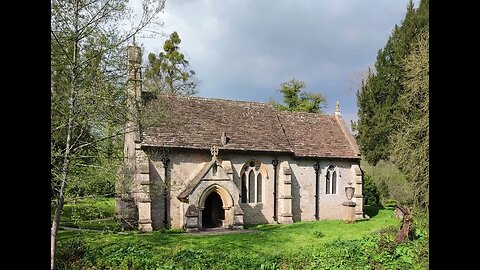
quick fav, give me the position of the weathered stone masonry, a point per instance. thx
(212, 164)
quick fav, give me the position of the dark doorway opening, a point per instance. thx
(213, 213)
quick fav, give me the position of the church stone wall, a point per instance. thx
(303, 189)
(183, 163)
(181, 166)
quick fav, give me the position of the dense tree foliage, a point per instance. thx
(297, 101)
(410, 151)
(88, 57)
(393, 103)
(379, 94)
(390, 182)
(169, 72)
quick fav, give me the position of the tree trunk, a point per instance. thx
(66, 157)
(406, 223)
(56, 222)
(61, 195)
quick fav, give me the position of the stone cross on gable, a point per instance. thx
(214, 152)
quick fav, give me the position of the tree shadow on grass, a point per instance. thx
(372, 211)
(264, 227)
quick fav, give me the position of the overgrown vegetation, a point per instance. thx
(393, 103)
(304, 245)
(411, 151)
(390, 183)
(94, 213)
(371, 195)
(88, 97)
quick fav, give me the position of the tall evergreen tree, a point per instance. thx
(378, 97)
(410, 151)
(169, 72)
(297, 101)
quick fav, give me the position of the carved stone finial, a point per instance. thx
(214, 152)
(337, 108)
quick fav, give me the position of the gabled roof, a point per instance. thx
(203, 171)
(316, 135)
(198, 123)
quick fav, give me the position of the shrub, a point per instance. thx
(390, 181)
(94, 180)
(383, 188)
(370, 191)
(70, 252)
(390, 203)
(340, 254)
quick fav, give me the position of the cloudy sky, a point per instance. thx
(244, 49)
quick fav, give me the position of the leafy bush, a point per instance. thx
(376, 251)
(390, 203)
(391, 183)
(383, 188)
(98, 179)
(340, 254)
(70, 252)
(370, 192)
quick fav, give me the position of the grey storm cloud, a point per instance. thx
(244, 49)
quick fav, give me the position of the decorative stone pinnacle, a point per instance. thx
(214, 152)
(337, 108)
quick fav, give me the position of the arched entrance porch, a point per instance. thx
(215, 207)
(213, 215)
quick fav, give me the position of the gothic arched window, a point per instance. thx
(244, 188)
(252, 183)
(251, 187)
(334, 183)
(331, 181)
(259, 187)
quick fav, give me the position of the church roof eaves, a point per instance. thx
(198, 123)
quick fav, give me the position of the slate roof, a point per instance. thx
(198, 123)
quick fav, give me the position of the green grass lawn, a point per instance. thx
(291, 244)
(95, 213)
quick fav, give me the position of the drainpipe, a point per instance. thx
(316, 167)
(165, 161)
(363, 192)
(275, 164)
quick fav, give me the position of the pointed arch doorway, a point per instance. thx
(213, 200)
(213, 215)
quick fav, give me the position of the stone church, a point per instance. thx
(226, 163)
